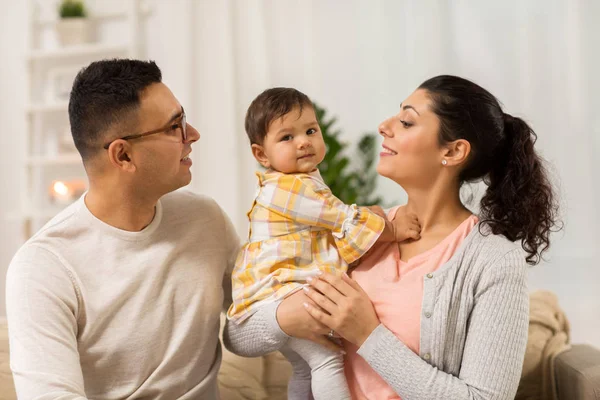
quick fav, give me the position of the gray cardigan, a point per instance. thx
(473, 344)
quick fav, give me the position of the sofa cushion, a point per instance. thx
(7, 387)
(578, 373)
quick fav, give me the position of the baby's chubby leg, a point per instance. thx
(300, 382)
(328, 381)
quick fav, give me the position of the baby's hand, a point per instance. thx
(406, 226)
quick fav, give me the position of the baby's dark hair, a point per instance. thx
(270, 105)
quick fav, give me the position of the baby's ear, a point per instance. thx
(259, 153)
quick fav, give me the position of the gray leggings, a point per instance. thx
(314, 368)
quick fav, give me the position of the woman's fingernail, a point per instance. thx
(342, 352)
(305, 305)
(309, 279)
(305, 288)
(319, 273)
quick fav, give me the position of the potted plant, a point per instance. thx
(351, 176)
(73, 28)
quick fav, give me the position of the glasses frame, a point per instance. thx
(181, 121)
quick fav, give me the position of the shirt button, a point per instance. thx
(427, 356)
(427, 315)
(430, 276)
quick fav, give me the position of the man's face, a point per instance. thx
(162, 160)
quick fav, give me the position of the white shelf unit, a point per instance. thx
(48, 108)
(91, 50)
(50, 154)
(63, 159)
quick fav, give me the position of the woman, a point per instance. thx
(444, 316)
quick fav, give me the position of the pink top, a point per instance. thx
(396, 289)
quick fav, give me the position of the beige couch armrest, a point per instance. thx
(7, 387)
(578, 373)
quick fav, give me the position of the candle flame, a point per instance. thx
(60, 188)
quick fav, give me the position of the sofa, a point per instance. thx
(576, 370)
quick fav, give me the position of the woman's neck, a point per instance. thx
(438, 209)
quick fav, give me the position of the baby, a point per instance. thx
(298, 228)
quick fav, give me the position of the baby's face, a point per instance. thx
(294, 143)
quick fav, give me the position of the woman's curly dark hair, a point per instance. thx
(519, 202)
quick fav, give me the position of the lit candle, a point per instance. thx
(61, 193)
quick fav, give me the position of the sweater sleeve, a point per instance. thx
(41, 307)
(492, 360)
(232, 246)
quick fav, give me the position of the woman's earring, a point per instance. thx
(444, 162)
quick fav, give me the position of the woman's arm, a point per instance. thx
(494, 348)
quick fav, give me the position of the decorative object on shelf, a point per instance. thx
(65, 192)
(65, 142)
(59, 83)
(58, 142)
(73, 27)
(352, 178)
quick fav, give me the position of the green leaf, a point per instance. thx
(351, 178)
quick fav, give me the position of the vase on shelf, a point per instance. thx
(73, 31)
(73, 28)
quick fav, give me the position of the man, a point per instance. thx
(119, 295)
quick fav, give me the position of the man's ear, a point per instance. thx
(259, 153)
(457, 152)
(120, 155)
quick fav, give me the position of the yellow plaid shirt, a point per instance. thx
(297, 227)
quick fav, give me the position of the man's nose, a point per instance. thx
(192, 134)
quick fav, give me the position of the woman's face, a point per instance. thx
(411, 154)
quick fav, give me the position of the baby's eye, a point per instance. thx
(286, 138)
(311, 131)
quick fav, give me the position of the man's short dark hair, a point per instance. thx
(270, 105)
(105, 93)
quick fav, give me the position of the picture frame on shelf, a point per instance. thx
(60, 81)
(65, 142)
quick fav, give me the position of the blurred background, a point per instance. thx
(356, 59)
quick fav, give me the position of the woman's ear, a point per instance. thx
(259, 153)
(456, 153)
(119, 154)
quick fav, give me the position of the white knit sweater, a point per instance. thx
(101, 313)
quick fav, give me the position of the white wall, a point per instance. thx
(13, 44)
(360, 60)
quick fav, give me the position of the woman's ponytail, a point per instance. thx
(519, 201)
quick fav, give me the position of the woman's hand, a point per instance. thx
(295, 321)
(342, 306)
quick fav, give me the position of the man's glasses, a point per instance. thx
(179, 123)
